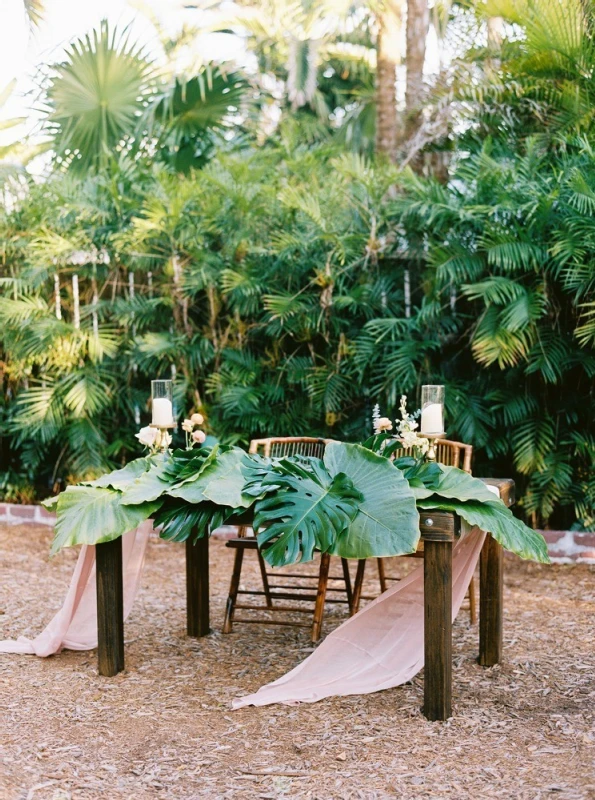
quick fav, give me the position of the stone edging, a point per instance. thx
(15, 514)
(564, 547)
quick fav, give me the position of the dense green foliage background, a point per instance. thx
(290, 284)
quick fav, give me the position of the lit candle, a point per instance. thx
(163, 412)
(431, 419)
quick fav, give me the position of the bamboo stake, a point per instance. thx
(76, 300)
(57, 298)
(95, 302)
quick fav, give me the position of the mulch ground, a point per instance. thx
(164, 728)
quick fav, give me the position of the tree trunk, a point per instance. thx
(418, 23)
(495, 33)
(388, 57)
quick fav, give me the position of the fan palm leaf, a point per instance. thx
(95, 97)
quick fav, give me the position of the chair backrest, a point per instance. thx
(279, 446)
(452, 454)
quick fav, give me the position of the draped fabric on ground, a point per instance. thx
(380, 647)
(74, 627)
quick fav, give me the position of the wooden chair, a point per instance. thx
(452, 454)
(289, 588)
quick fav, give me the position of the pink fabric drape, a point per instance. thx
(74, 627)
(380, 647)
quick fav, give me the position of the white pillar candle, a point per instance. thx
(431, 419)
(163, 413)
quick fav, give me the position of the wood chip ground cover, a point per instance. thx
(164, 728)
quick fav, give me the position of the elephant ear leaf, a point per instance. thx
(309, 510)
(454, 484)
(387, 520)
(120, 479)
(92, 515)
(495, 518)
(150, 485)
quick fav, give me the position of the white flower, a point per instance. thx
(148, 436)
(382, 424)
(411, 439)
(197, 419)
(166, 439)
(188, 426)
(199, 436)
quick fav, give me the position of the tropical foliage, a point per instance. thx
(289, 285)
(353, 503)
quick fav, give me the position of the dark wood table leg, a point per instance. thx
(438, 629)
(110, 607)
(490, 602)
(197, 587)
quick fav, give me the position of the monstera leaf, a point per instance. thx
(181, 521)
(91, 515)
(221, 482)
(495, 518)
(387, 521)
(309, 510)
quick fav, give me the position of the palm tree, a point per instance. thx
(95, 97)
(543, 74)
(418, 21)
(295, 43)
(107, 98)
(389, 22)
(34, 9)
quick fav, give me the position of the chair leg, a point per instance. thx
(359, 582)
(233, 590)
(325, 561)
(265, 580)
(473, 601)
(347, 579)
(381, 575)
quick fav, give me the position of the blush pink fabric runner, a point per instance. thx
(380, 647)
(74, 627)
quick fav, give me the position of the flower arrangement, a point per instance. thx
(406, 427)
(191, 429)
(157, 439)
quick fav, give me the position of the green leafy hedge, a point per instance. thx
(273, 284)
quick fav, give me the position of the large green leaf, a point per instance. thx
(309, 511)
(180, 521)
(455, 484)
(387, 521)
(91, 515)
(95, 97)
(151, 484)
(120, 479)
(187, 465)
(495, 518)
(221, 482)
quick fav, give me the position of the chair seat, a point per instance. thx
(248, 542)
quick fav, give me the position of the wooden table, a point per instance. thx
(438, 533)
